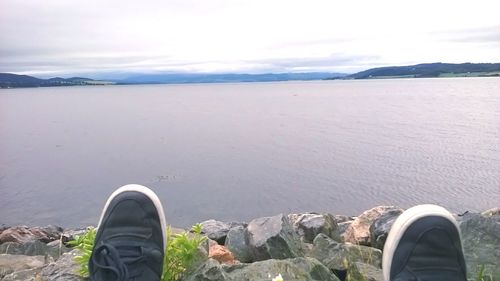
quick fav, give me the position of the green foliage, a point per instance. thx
(180, 252)
(84, 243)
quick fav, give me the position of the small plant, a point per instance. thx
(180, 252)
(84, 243)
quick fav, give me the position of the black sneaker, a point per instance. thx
(424, 245)
(130, 240)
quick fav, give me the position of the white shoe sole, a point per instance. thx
(150, 194)
(401, 225)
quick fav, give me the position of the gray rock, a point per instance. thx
(34, 248)
(64, 269)
(338, 256)
(14, 263)
(215, 230)
(200, 258)
(236, 243)
(272, 238)
(209, 271)
(381, 226)
(481, 243)
(364, 272)
(342, 218)
(342, 228)
(309, 225)
(359, 231)
(23, 275)
(290, 269)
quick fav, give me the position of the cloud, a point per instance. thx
(488, 35)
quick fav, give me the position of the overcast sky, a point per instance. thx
(58, 37)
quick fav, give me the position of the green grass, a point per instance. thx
(180, 252)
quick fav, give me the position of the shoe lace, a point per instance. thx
(117, 259)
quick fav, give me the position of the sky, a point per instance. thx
(64, 37)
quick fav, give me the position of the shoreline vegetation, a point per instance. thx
(305, 246)
(429, 70)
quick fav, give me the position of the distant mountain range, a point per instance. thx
(429, 70)
(8, 80)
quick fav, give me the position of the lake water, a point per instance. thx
(240, 151)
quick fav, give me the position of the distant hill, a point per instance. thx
(169, 78)
(430, 70)
(9, 80)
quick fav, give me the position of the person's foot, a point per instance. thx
(130, 238)
(424, 245)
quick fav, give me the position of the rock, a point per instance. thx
(359, 231)
(57, 248)
(23, 275)
(215, 230)
(338, 256)
(13, 263)
(64, 269)
(342, 218)
(342, 228)
(290, 269)
(491, 212)
(211, 270)
(22, 234)
(200, 258)
(365, 272)
(272, 238)
(235, 242)
(34, 248)
(481, 244)
(3, 227)
(309, 225)
(221, 254)
(381, 226)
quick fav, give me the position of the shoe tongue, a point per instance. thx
(434, 257)
(434, 250)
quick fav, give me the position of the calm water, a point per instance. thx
(239, 151)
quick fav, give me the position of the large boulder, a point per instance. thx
(338, 256)
(236, 243)
(64, 269)
(481, 243)
(22, 234)
(309, 225)
(381, 226)
(358, 231)
(14, 263)
(290, 269)
(215, 230)
(272, 238)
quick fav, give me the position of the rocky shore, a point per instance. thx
(307, 246)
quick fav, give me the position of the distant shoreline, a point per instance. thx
(429, 70)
